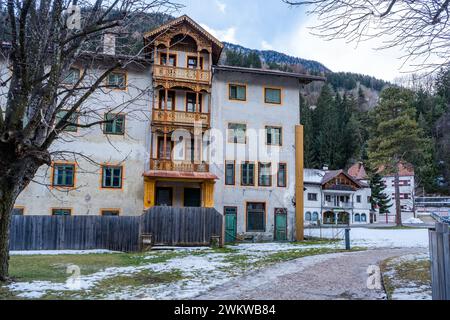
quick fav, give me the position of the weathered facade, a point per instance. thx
(196, 135)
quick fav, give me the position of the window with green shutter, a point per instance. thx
(115, 124)
(272, 95)
(64, 175)
(111, 177)
(238, 92)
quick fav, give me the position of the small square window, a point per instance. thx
(272, 95)
(237, 133)
(18, 211)
(115, 124)
(64, 175)
(312, 196)
(70, 123)
(238, 92)
(111, 177)
(274, 136)
(72, 77)
(61, 212)
(117, 80)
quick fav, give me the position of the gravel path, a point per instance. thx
(339, 276)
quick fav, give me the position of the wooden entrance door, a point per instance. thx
(280, 224)
(230, 224)
(164, 197)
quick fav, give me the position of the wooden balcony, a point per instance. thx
(181, 74)
(180, 118)
(179, 166)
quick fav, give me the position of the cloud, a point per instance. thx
(222, 6)
(227, 35)
(266, 46)
(338, 55)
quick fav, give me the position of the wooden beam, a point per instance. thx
(299, 184)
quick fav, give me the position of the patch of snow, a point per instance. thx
(378, 238)
(60, 252)
(414, 221)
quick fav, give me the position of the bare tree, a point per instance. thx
(39, 49)
(420, 28)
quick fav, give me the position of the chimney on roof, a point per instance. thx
(109, 44)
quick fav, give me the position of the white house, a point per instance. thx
(335, 197)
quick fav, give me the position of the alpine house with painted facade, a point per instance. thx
(194, 146)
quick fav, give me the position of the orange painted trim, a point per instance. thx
(200, 101)
(271, 176)
(115, 115)
(234, 173)
(202, 62)
(21, 208)
(237, 85)
(254, 174)
(125, 73)
(102, 210)
(281, 136)
(52, 175)
(281, 89)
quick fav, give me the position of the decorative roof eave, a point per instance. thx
(339, 172)
(194, 24)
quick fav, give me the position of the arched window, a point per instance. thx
(363, 218)
(357, 218)
(315, 216)
(308, 216)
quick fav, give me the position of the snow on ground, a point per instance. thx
(59, 252)
(404, 288)
(413, 221)
(377, 238)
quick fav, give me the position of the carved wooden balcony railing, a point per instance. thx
(181, 118)
(181, 74)
(180, 166)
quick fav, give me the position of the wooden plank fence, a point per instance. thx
(440, 261)
(168, 226)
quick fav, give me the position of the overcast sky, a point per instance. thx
(271, 24)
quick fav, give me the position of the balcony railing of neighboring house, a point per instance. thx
(179, 166)
(181, 74)
(181, 117)
(341, 205)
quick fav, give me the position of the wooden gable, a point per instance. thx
(341, 182)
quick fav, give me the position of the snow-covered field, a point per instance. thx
(378, 238)
(201, 268)
(58, 252)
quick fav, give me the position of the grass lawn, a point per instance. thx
(407, 278)
(157, 274)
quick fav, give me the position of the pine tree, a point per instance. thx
(379, 199)
(396, 137)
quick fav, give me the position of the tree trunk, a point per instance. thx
(398, 207)
(6, 206)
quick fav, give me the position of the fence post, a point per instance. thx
(440, 261)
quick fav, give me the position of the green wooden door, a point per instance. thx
(280, 225)
(230, 225)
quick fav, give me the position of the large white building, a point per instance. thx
(335, 197)
(196, 135)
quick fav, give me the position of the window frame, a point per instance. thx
(242, 174)
(228, 162)
(162, 100)
(273, 88)
(103, 177)
(53, 210)
(267, 136)
(237, 85)
(195, 57)
(315, 197)
(70, 84)
(124, 73)
(65, 164)
(103, 210)
(260, 164)
(232, 136)
(200, 100)
(285, 175)
(20, 208)
(76, 114)
(247, 217)
(113, 124)
(163, 55)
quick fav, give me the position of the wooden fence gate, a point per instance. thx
(440, 261)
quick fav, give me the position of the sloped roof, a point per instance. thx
(358, 171)
(405, 170)
(314, 176)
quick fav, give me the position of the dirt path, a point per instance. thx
(338, 276)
